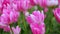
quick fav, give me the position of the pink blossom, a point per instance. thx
(49, 3)
(35, 17)
(38, 28)
(6, 28)
(52, 3)
(22, 4)
(4, 21)
(5, 2)
(25, 4)
(11, 14)
(42, 3)
(8, 14)
(36, 21)
(9, 17)
(14, 16)
(59, 1)
(57, 14)
(33, 2)
(16, 30)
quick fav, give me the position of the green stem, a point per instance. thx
(19, 21)
(24, 23)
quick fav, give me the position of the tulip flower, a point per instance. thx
(16, 30)
(36, 22)
(57, 14)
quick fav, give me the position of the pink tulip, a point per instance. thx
(25, 4)
(12, 14)
(6, 28)
(8, 14)
(2, 25)
(22, 5)
(59, 1)
(38, 28)
(36, 21)
(52, 3)
(42, 3)
(16, 30)
(5, 2)
(33, 2)
(49, 3)
(57, 14)
(4, 20)
(35, 17)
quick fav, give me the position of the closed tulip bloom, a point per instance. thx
(57, 14)
(16, 30)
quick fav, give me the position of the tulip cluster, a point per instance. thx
(10, 12)
(8, 15)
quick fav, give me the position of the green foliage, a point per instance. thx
(51, 23)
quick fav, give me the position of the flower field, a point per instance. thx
(29, 16)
